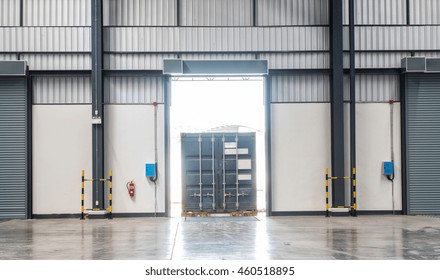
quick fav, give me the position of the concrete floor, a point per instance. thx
(249, 238)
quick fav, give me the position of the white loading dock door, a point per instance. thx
(423, 144)
(13, 148)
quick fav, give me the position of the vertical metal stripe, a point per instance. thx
(62, 90)
(9, 13)
(292, 12)
(301, 88)
(424, 11)
(133, 90)
(56, 13)
(140, 12)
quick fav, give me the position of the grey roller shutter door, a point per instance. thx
(423, 142)
(13, 148)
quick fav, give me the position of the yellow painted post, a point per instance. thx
(82, 195)
(326, 193)
(354, 191)
(110, 209)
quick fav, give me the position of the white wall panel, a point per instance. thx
(57, 12)
(216, 13)
(301, 88)
(129, 146)
(373, 146)
(9, 13)
(61, 148)
(424, 11)
(58, 61)
(139, 12)
(62, 90)
(297, 60)
(292, 12)
(374, 12)
(301, 152)
(45, 39)
(216, 39)
(133, 90)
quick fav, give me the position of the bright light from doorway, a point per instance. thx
(202, 104)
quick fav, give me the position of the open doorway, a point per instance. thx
(213, 105)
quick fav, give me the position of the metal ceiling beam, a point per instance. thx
(97, 105)
(337, 102)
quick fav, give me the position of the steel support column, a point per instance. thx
(352, 101)
(97, 105)
(337, 102)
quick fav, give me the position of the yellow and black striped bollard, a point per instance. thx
(354, 192)
(110, 208)
(326, 193)
(82, 195)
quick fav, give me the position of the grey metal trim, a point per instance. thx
(404, 145)
(268, 146)
(215, 67)
(29, 161)
(13, 68)
(167, 102)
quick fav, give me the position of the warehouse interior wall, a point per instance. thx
(129, 145)
(139, 35)
(301, 152)
(62, 147)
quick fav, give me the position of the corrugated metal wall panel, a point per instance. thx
(139, 12)
(427, 54)
(424, 11)
(8, 57)
(50, 39)
(219, 56)
(374, 88)
(9, 13)
(216, 13)
(376, 59)
(373, 12)
(423, 148)
(292, 12)
(135, 61)
(13, 149)
(216, 39)
(297, 60)
(62, 90)
(395, 38)
(133, 90)
(58, 61)
(316, 88)
(301, 88)
(57, 12)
